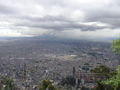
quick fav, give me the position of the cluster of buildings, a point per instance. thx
(85, 79)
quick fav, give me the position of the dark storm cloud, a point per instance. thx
(108, 14)
(57, 23)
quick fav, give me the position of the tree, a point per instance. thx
(114, 81)
(51, 87)
(7, 83)
(102, 71)
(116, 46)
(69, 81)
(46, 85)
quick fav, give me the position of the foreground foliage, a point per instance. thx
(7, 84)
(116, 46)
(114, 81)
(46, 85)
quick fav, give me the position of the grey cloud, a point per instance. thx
(36, 14)
(108, 14)
(49, 23)
(7, 10)
(45, 18)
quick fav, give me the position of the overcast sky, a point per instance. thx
(71, 19)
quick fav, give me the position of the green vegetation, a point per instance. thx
(114, 82)
(68, 81)
(103, 71)
(7, 84)
(116, 46)
(46, 85)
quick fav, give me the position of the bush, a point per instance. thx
(46, 84)
(69, 81)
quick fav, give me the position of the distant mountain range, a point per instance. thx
(47, 37)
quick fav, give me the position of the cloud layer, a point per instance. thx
(72, 19)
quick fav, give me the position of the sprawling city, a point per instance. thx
(30, 61)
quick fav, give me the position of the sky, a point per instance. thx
(66, 19)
